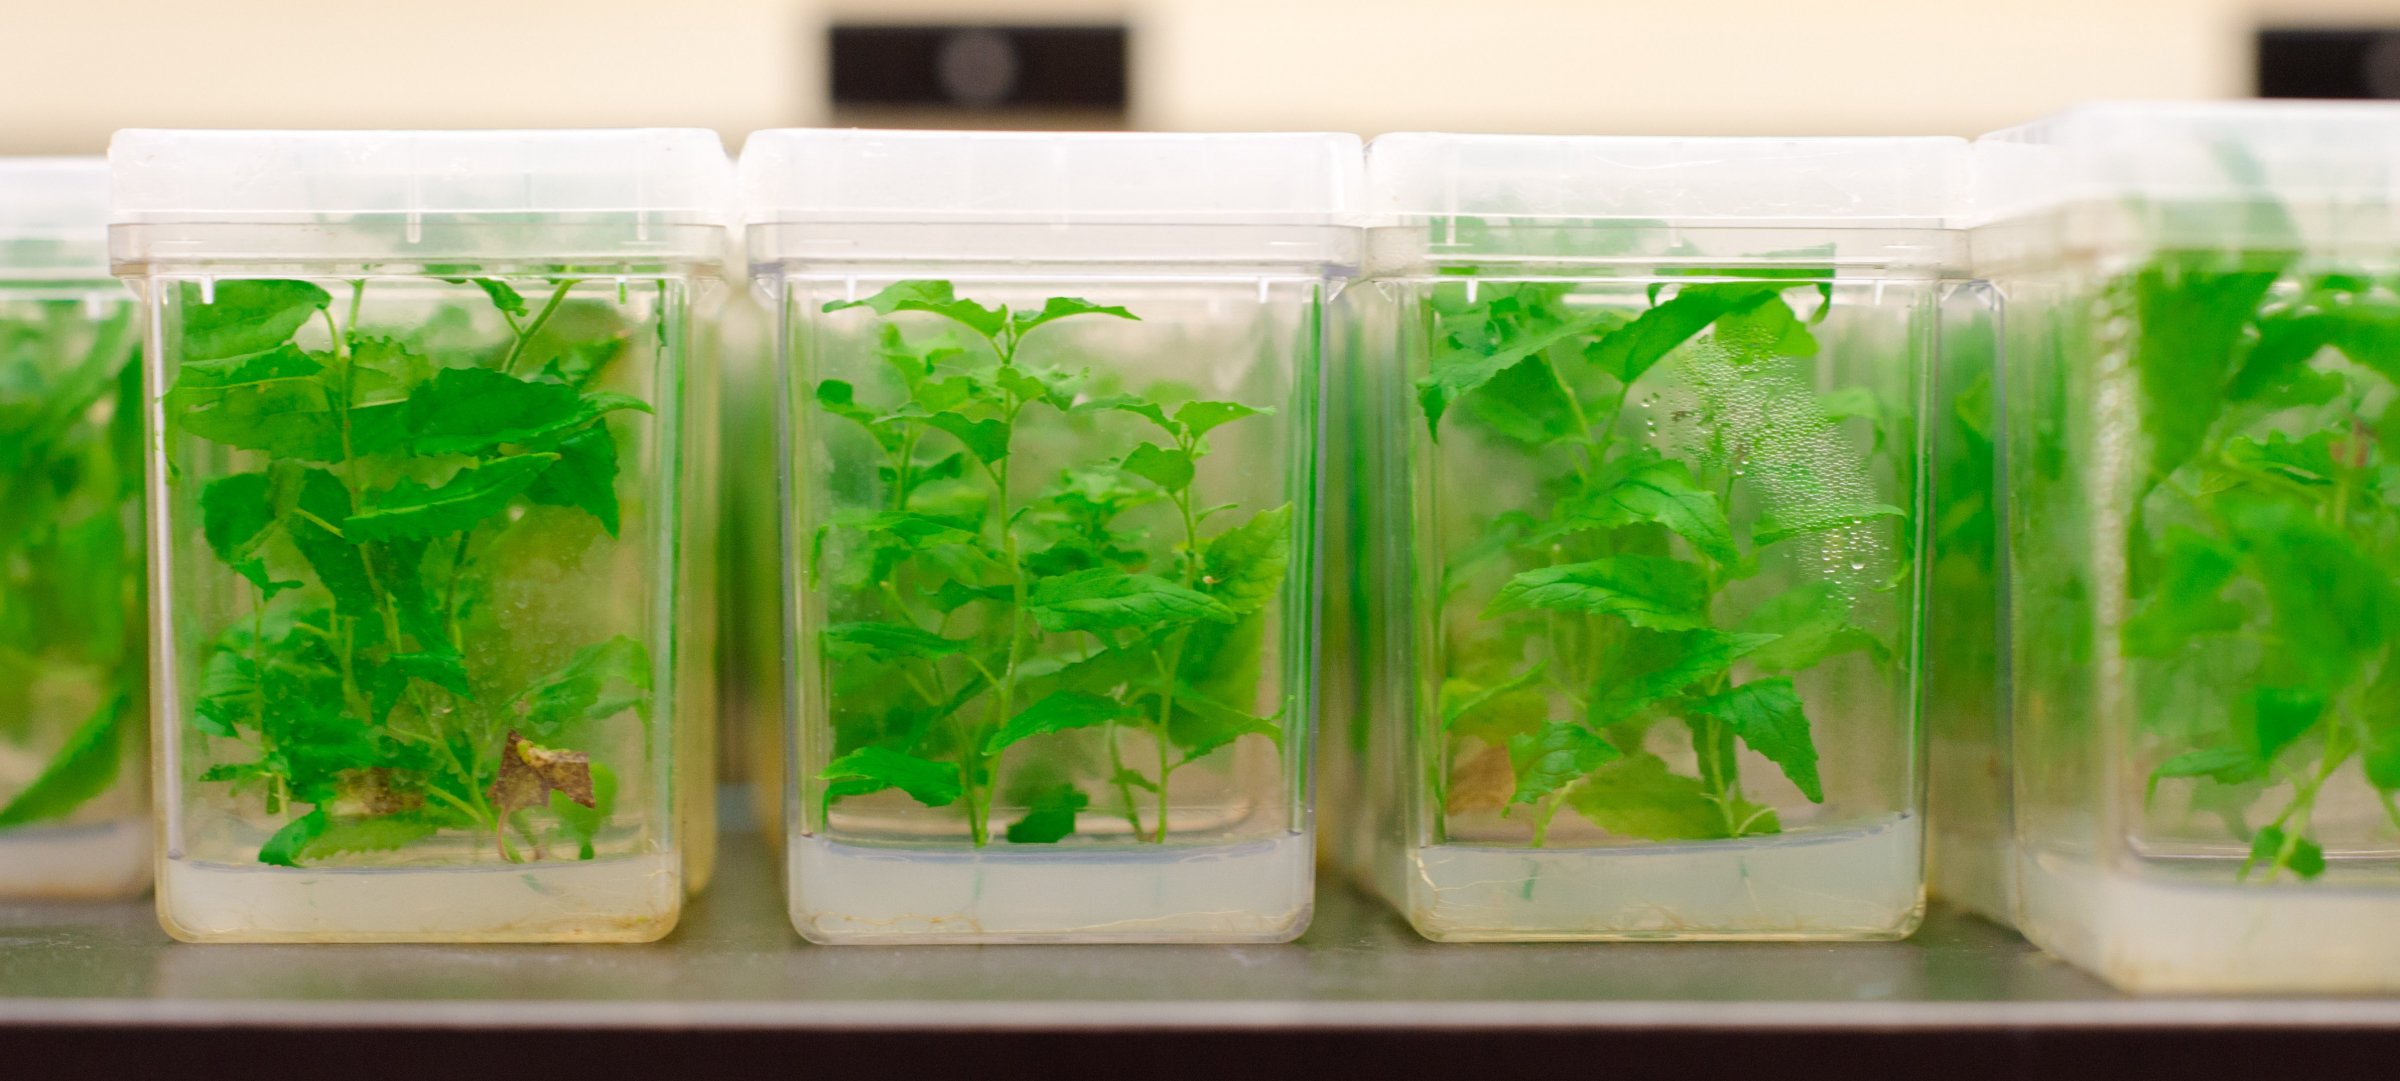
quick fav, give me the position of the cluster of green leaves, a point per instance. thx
(2264, 551)
(1605, 612)
(973, 623)
(70, 472)
(354, 684)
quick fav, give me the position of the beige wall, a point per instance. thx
(1724, 66)
(76, 71)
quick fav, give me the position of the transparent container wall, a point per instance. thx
(73, 821)
(1973, 863)
(416, 605)
(2201, 529)
(1056, 632)
(1666, 584)
(699, 626)
(751, 618)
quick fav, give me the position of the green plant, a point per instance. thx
(2263, 544)
(972, 622)
(369, 677)
(1585, 621)
(69, 468)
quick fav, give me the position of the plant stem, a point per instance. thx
(1116, 765)
(558, 296)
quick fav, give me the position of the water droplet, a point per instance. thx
(1858, 565)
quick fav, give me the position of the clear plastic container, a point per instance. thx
(2200, 358)
(1972, 857)
(1053, 422)
(1652, 518)
(421, 471)
(73, 824)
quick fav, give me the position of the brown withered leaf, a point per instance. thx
(378, 791)
(1483, 782)
(529, 772)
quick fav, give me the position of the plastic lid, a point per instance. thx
(798, 176)
(213, 176)
(1913, 182)
(53, 217)
(2193, 152)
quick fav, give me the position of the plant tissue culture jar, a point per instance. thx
(418, 485)
(1052, 404)
(2199, 451)
(1654, 531)
(73, 823)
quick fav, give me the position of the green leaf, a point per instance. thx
(441, 667)
(1054, 386)
(1766, 714)
(886, 640)
(1057, 308)
(1696, 657)
(285, 848)
(235, 513)
(346, 835)
(1169, 469)
(599, 682)
(1763, 332)
(1637, 797)
(2224, 765)
(1492, 714)
(1646, 591)
(245, 316)
(1201, 723)
(1138, 406)
(930, 296)
(1811, 622)
(986, 439)
(2266, 849)
(1200, 418)
(2280, 716)
(504, 296)
(276, 402)
(411, 510)
(472, 410)
(1049, 815)
(1555, 756)
(839, 398)
(585, 476)
(1458, 368)
(2332, 607)
(873, 769)
(85, 766)
(340, 566)
(1057, 712)
(2186, 605)
(1633, 349)
(1644, 487)
(1105, 599)
(1527, 404)
(2191, 325)
(1244, 566)
(1775, 527)
(391, 360)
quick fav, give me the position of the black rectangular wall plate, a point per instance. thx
(977, 67)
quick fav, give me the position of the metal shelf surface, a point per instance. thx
(1358, 990)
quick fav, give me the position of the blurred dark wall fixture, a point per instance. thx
(2321, 63)
(907, 75)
